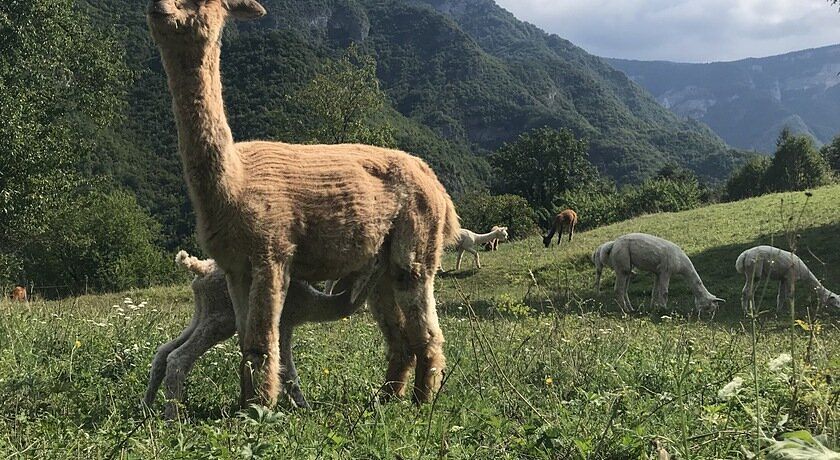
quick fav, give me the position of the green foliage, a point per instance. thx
(541, 164)
(102, 242)
(796, 165)
(748, 181)
(831, 153)
(60, 81)
(602, 204)
(481, 211)
(340, 104)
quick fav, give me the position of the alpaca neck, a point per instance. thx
(694, 282)
(211, 164)
(485, 237)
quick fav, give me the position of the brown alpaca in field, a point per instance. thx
(269, 210)
(565, 219)
(19, 294)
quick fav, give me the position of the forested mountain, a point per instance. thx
(462, 77)
(747, 102)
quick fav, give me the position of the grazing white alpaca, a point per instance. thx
(661, 257)
(600, 257)
(214, 321)
(468, 241)
(779, 265)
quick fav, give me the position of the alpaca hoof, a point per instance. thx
(171, 412)
(295, 395)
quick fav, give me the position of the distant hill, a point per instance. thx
(462, 77)
(748, 102)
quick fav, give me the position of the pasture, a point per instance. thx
(539, 366)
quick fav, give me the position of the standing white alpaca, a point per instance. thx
(468, 241)
(779, 265)
(664, 259)
(600, 257)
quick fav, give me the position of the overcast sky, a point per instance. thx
(685, 30)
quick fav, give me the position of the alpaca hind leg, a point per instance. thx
(209, 332)
(261, 343)
(391, 322)
(598, 272)
(560, 234)
(748, 295)
(425, 339)
(783, 299)
(288, 371)
(572, 232)
(158, 368)
(621, 284)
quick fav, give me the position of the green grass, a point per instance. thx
(539, 371)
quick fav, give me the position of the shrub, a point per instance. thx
(479, 212)
(104, 242)
(661, 195)
(748, 181)
(796, 165)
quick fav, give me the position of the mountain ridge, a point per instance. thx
(748, 101)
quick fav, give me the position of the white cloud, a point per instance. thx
(684, 30)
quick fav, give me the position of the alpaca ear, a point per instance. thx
(244, 9)
(718, 299)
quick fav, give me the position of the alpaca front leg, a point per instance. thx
(560, 235)
(458, 260)
(572, 232)
(475, 256)
(621, 284)
(598, 272)
(784, 297)
(425, 337)
(260, 346)
(662, 282)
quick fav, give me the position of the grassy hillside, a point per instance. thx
(577, 381)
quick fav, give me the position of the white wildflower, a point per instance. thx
(731, 389)
(780, 362)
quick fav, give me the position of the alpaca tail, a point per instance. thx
(739, 264)
(451, 223)
(194, 264)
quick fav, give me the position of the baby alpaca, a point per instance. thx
(600, 257)
(661, 257)
(782, 266)
(468, 241)
(215, 320)
(566, 218)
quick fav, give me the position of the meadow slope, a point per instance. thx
(539, 366)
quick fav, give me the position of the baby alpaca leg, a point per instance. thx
(158, 369)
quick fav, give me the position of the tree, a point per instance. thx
(796, 165)
(542, 164)
(341, 104)
(748, 181)
(480, 211)
(59, 83)
(831, 154)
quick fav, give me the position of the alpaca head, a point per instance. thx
(501, 233)
(191, 23)
(708, 303)
(833, 301)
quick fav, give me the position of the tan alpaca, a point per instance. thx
(266, 210)
(566, 218)
(215, 321)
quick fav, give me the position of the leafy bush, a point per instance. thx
(603, 204)
(796, 165)
(103, 242)
(479, 212)
(748, 181)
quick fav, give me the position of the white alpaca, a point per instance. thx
(661, 257)
(600, 257)
(469, 241)
(214, 321)
(778, 265)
